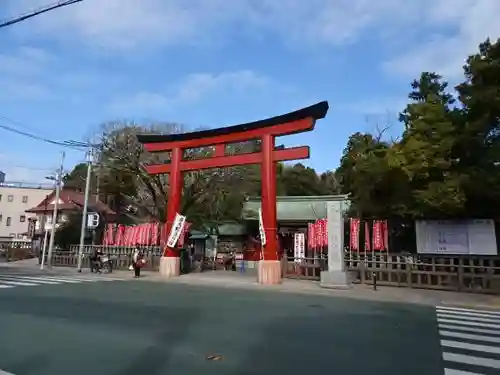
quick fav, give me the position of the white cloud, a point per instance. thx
(462, 24)
(456, 26)
(131, 23)
(193, 88)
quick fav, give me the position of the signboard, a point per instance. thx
(92, 220)
(176, 230)
(299, 246)
(261, 229)
(465, 237)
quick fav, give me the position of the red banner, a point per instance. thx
(367, 237)
(385, 229)
(354, 225)
(324, 232)
(309, 236)
(183, 236)
(378, 236)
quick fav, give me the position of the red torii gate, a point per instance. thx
(303, 120)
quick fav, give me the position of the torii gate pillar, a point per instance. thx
(269, 270)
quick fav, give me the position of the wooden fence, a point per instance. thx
(479, 274)
(16, 250)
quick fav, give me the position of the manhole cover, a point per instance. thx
(214, 357)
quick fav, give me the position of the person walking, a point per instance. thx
(137, 261)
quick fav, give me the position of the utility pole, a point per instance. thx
(56, 206)
(42, 225)
(84, 213)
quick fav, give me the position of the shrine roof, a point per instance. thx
(296, 208)
(316, 111)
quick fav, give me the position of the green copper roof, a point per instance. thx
(295, 208)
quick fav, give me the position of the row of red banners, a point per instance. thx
(147, 234)
(317, 234)
(380, 235)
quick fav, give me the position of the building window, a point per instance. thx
(19, 236)
(10, 198)
(1, 218)
(13, 235)
(8, 221)
(49, 219)
(0, 197)
(25, 199)
(22, 218)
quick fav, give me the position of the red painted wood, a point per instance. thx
(174, 196)
(293, 153)
(268, 178)
(276, 130)
(220, 150)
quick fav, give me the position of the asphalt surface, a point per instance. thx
(102, 326)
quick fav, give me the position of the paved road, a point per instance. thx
(132, 327)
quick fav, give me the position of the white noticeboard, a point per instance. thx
(176, 230)
(467, 237)
(299, 247)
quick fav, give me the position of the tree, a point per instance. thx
(75, 179)
(426, 152)
(301, 180)
(479, 143)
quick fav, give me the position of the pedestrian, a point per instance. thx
(137, 261)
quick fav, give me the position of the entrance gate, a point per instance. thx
(303, 120)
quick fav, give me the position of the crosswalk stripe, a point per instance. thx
(469, 336)
(467, 313)
(450, 371)
(471, 360)
(27, 279)
(470, 329)
(20, 283)
(450, 308)
(477, 324)
(13, 280)
(471, 318)
(474, 332)
(466, 345)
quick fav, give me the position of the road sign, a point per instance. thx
(92, 220)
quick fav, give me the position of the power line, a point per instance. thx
(38, 11)
(69, 144)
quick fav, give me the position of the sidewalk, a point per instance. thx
(227, 279)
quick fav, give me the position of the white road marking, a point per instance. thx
(468, 337)
(450, 371)
(471, 360)
(456, 309)
(13, 280)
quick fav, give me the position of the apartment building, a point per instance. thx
(15, 199)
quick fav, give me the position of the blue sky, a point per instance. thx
(221, 62)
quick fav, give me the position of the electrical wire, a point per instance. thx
(70, 144)
(38, 11)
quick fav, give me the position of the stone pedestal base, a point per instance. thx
(335, 280)
(170, 267)
(269, 272)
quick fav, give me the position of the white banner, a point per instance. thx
(261, 229)
(464, 237)
(176, 230)
(299, 246)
